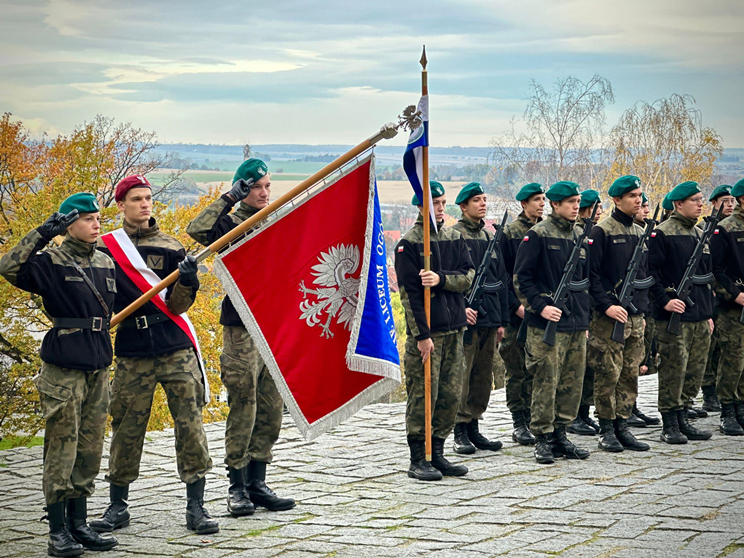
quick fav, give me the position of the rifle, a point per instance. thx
(475, 299)
(560, 297)
(630, 285)
(689, 279)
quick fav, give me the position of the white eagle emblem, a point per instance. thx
(336, 293)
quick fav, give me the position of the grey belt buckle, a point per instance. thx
(97, 324)
(141, 322)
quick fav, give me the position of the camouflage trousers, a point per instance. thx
(730, 384)
(587, 385)
(651, 355)
(75, 406)
(255, 416)
(682, 360)
(447, 372)
(714, 357)
(133, 389)
(558, 373)
(478, 376)
(615, 365)
(517, 380)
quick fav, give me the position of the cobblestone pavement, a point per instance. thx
(355, 500)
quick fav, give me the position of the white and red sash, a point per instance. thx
(131, 262)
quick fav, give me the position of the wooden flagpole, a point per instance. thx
(427, 264)
(409, 120)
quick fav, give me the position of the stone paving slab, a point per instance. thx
(355, 500)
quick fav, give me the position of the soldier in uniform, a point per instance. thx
(150, 349)
(518, 382)
(720, 198)
(616, 365)
(450, 277)
(557, 371)
(727, 248)
(485, 329)
(255, 416)
(682, 357)
(77, 285)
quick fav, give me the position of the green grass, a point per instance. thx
(20, 441)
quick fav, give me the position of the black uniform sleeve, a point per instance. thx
(26, 267)
(503, 293)
(656, 262)
(407, 269)
(526, 271)
(720, 247)
(597, 247)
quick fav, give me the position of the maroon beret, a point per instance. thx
(126, 184)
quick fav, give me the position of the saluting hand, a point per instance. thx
(429, 278)
(57, 224)
(552, 313)
(675, 305)
(240, 189)
(426, 347)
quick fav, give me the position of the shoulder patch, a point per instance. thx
(526, 238)
(653, 234)
(400, 248)
(716, 231)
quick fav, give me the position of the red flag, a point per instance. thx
(298, 283)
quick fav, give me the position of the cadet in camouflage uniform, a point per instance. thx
(558, 371)
(616, 365)
(77, 285)
(727, 248)
(682, 357)
(255, 416)
(450, 277)
(150, 349)
(518, 382)
(485, 329)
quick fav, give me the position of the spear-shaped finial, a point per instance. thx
(423, 58)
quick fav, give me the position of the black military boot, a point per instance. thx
(670, 433)
(259, 493)
(695, 413)
(439, 462)
(479, 440)
(580, 425)
(648, 421)
(198, 518)
(626, 438)
(586, 416)
(60, 541)
(462, 443)
(77, 522)
(739, 411)
(116, 515)
(563, 447)
(544, 449)
(420, 468)
(690, 431)
(521, 433)
(607, 439)
(729, 424)
(710, 400)
(238, 502)
(635, 421)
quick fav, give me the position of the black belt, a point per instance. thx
(144, 322)
(95, 324)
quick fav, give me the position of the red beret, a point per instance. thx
(126, 184)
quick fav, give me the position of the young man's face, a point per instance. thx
(691, 207)
(260, 194)
(475, 207)
(644, 211)
(438, 206)
(586, 212)
(728, 203)
(567, 208)
(630, 203)
(534, 206)
(136, 206)
(86, 228)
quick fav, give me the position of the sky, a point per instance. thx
(327, 71)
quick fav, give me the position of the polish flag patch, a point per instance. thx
(400, 248)
(715, 231)
(591, 241)
(653, 235)
(526, 239)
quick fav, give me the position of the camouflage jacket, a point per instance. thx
(538, 270)
(214, 222)
(50, 274)
(451, 260)
(495, 304)
(162, 254)
(727, 250)
(611, 245)
(514, 232)
(670, 247)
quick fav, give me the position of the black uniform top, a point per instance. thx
(538, 269)
(727, 249)
(514, 232)
(162, 254)
(50, 274)
(496, 304)
(670, 247)
(611, 245)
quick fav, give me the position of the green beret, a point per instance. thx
(667, 203)
(644, 199)
(683, 191)
(253, 169)
(437, 191)
(623, 185)
(84, 202)
(561, 190)
(468, 191)
(738, 189)
(529, 190)
(588, 198)
(722, 190)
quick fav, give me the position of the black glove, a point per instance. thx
(241, 189)
(187, 270)
(57, 224)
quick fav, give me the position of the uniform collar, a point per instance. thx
(475, 226)
(140, 232)
(738, 212)
(75, 247)
(420, 222)
(622, 217)
(245, 211)
(562, 223)
(686, 222)
(526, 220)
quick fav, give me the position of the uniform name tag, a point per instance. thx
(618, 241)
(740, 239)
(75, 279)
(553, 247)
(155, 262)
